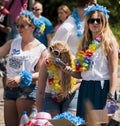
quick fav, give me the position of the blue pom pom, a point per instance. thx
(76, 120)
(26, 79)
(96, 7)
(36, 21)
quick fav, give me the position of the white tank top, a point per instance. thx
(98, 69)
(19, 60)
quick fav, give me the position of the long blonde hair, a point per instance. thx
(107, 36)
(66, 57)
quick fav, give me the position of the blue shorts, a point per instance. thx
(51, 106)
(20, 93)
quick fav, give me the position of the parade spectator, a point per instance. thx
(63, 13)
(46, 36)
(24, 58)
(5, 28)
(60, 87)
(96, 60)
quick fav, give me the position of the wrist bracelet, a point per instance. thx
(110, 96)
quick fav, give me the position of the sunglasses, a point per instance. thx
(35, 9)
(92, 20)
(52, 50)
(21, 26)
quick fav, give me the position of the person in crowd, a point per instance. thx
(63, 13)
(96, 60)
(55, 88)
(46, 36)
(5, 28)
(15, 7)
(24, 59)
(71, 32)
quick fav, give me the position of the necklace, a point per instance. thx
(83, 59)
(77, 22)
(53, 78)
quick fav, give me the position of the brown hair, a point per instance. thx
(83, 3)
(65, 8)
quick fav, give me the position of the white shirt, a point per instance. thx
(19, 60)
(67, 33)
(99, 67)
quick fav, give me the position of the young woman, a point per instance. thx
(60, 87)
(24, 58)
(96, 60)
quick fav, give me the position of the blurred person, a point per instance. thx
(5, 28)
(63, 13)
(96, 61)
(15, 7)
(46, 36)
(24, 58)
(56, 89)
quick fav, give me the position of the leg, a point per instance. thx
(4, 81)
(24, 105)
(10, 113)
(51, 106)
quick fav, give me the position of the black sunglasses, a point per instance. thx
(92, 20)
(52, 50)
(20, 25)
(35, 9)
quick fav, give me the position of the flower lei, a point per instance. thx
(53, 78)
(77, 22)
(40, 26)
(97, 7)
(83, 58)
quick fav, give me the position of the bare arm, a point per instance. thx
(41, 86)
(113, 67)
(69, 70)
(49, 38)
(4, 50)
(36, 74)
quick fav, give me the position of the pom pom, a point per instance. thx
(111, 106)
(26, 79)
(96, 7)
(40, 26)
(68, 115)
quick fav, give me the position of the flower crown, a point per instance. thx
(40, 26)
(96, 7)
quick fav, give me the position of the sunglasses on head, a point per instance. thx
(35, 9)
(93, 20)
(52, 50)
(20, 25)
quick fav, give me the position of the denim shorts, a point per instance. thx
(20, 93)
(51, 106)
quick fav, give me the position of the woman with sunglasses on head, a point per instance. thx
(55, 87)
(24, 59)
(96, 60)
